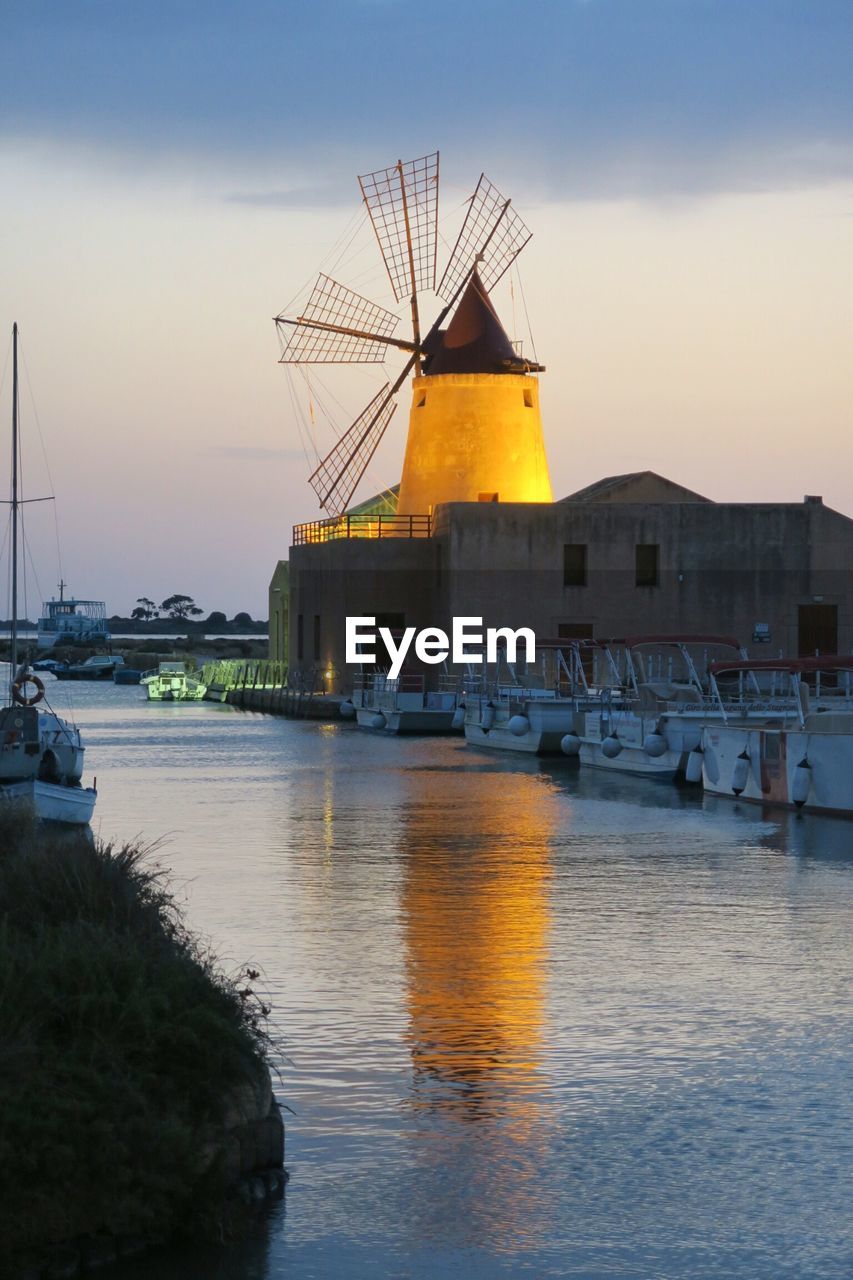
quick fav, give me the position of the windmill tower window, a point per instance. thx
(528, 399)
(421, 401)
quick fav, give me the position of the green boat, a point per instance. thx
(171, 682)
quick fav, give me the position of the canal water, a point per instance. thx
(537, 1022)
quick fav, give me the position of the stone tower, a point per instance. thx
(475, 432)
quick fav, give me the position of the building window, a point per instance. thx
(528, 399)
(648, 556)
(574, 564)
(487, 497)
(316, 636)
(300, 637)
(421, 402)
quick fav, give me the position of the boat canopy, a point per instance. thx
(796, 666)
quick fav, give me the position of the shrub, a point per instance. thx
(121, 1037)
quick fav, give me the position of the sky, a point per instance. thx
(173, 175)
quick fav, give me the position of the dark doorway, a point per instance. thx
(818, 630)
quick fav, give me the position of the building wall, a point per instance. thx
(722, 568)
(279, 605)
(358, 577)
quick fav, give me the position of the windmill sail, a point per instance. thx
(337, 476)
(403, 205)
(492, 236)
(337, 326)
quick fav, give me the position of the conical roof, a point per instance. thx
(475, 340)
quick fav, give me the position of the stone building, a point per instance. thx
(628, 555)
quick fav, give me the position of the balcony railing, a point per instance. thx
(362, 526)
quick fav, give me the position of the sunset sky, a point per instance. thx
(174, 173)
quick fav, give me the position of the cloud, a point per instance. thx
(320, 197)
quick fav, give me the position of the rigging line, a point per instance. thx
(45, 459)
(345, 239)
(309, 282)
(5, 366)
(306, 435)
(527, 318)
(297, 413)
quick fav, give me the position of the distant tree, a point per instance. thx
(243, 620)
(215, 620)
(147, 609)
(140, 615)
(180, 607)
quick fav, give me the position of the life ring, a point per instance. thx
(18, 691)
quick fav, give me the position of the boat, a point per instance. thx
(403, 705)
(73, 622)
(41, 755)
(784, 733)
(127, 675)
(171, 682)
(101, 666)
(649, 717)
(530, 712)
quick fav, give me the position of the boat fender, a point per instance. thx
(693, 768)
(801, 783)
(378, 721)
(488, 718)
(570, 744)
(740, 773)
(518, 726)
(654, 745)
(458, 721)
(611, 747)
(22, 698)
(347, 710)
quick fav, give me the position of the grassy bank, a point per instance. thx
(119, 1040)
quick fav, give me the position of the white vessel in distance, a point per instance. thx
(41, 755)
(72, 621)
(784, 733)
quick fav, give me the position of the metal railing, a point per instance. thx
(361, 526)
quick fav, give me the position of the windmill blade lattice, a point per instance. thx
(337, 476)
(492, 236)
(316, 336)
(405, 192)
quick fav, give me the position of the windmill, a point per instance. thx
(340, 326)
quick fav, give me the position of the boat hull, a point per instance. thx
(768, 775)
(414, 721)
(548, 722)
(52, 802)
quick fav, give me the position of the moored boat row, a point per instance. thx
(689, 708)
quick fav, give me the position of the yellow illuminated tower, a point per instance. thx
(475, 432)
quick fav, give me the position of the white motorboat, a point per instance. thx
(649, 720)
(785, 737)
(531, 711)
(41, 755)
(404, 705)
(171, 682)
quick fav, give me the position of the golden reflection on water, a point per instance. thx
(475, 914)
(475, 910)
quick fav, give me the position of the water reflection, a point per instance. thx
(474, 903)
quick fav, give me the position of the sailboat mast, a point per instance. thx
(13, 653)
